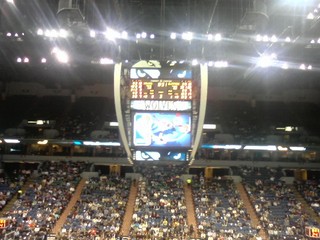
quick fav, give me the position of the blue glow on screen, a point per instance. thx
(168, 129)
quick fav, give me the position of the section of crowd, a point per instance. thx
(275, 203)
(99, 212)
(37, 209)
(160, 210)
(220, 211)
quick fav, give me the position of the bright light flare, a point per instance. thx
(188, 36)
(112, 34)
(61, 55)
(173, 35)
(105, 61)
(92, 34)
(266, 60)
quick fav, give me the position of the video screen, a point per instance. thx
(162, 129)
(159, 156)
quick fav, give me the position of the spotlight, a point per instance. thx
(19, 60)
(26, 60)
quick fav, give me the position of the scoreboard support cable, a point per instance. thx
(118, 108)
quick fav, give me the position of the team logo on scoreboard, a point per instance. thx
(160, 105)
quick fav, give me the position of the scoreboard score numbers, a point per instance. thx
(157, 89)
(312, 232)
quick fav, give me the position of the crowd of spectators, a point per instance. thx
(37, 209)
(279, 212)
(160, 210)
(10, 183)
(310, 190)
(99, 212)
(220, 211)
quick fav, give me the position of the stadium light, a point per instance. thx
(124, 35)
(112, 34)
(173, 35)
(26, 60)
(19, 60)
(143, 34)
(218, 37)
(105, 61)
(266, 60)
(10, 1)
(40, 32)
(310, 16)
(61, 55)
(11, 140)
(43, 60)
(188, 36)
(92, 34)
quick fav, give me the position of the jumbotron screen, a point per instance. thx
(162, 129)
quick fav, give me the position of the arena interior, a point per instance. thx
(160, 119)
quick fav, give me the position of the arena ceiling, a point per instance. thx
(249, 31)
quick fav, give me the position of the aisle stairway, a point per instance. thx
(127, 219)
(249, 207)
(307, 208)
(191, 217)
(73, 201)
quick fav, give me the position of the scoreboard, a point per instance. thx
(158, 89)
(312, 232)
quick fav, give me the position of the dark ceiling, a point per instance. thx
(239, 21)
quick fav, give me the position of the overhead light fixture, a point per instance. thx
(188, 36)
(285, 66)
(263, 148)
(92, 33)
(44, 142)
(11, 140)
(173, 35)
(218, 37)
(194, 62)
(266, 60)
(112, 34)
(105, 61)
(292, 148)
(63, 33)
(61, 55)
(144, 35)
(124, 35)
(40, 32)
(273, 38)
(310, 16)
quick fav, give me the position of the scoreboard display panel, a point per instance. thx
(312, 232)
(158, 89)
